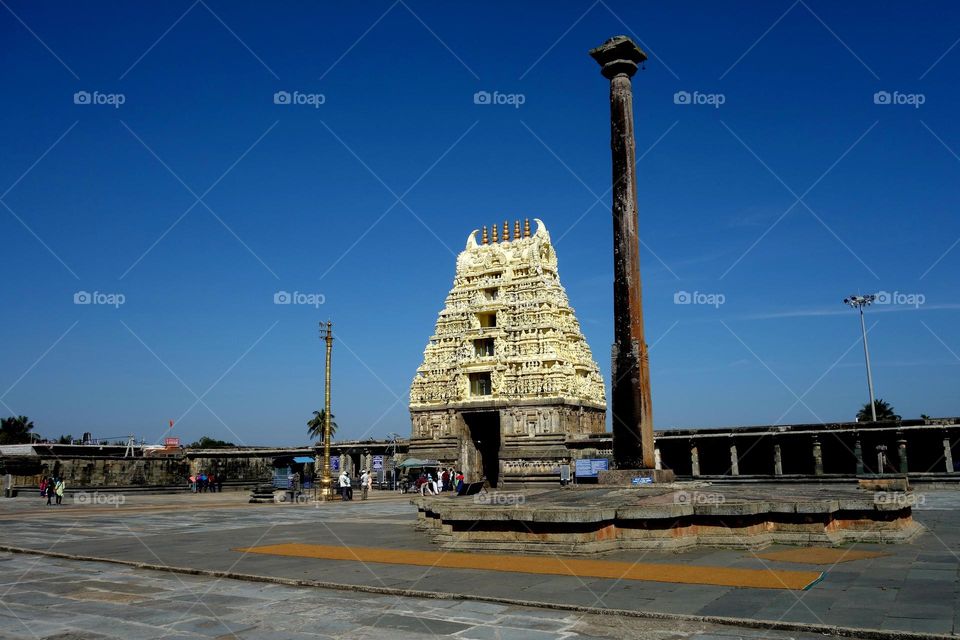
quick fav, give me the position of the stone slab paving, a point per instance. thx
(914, 588)
(49, 598)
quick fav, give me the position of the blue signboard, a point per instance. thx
(642, 480)
(335, 464)
(591, 467)
(378, 462)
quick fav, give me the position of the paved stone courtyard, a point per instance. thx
(912, 587)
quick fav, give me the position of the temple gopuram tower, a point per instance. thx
(507, 379)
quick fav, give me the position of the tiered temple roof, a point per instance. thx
(507, 331)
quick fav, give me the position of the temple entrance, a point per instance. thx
(482, 459)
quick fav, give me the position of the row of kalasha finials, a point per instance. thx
(506, 232)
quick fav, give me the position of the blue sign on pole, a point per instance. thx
(335, 464)
(591, 467)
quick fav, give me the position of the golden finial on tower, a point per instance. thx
(516, 229)
(526, 227)
(485, 240)
(506, 231)
(496, 238)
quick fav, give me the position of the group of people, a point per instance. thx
(203, 482)
(52, 489)
(446, 480)
(346, 488)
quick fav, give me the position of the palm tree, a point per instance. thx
(315, 425)
(884, 411)
(16, 430)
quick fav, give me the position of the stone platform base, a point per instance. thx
(630, 477)
(578, 520)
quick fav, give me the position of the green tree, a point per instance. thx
(16, 430)
(885, 412)
(315, 425)
(206, 442)
(67, 439)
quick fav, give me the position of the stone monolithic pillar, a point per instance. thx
(777, 460)
(858, 454)
(630, 393)
(817, 457)
(947, 454)
(734, 459)
(694, 459)
(902, 454)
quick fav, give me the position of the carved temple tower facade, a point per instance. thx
(508, 382)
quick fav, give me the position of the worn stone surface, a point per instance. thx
(912, 586)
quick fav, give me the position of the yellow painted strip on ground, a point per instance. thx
(819, 555)
(652, 572)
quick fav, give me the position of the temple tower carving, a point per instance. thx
(507, 380)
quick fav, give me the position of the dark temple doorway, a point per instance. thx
(484, 429)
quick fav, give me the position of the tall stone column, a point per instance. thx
(694, 459)
(858, 454)
(947, 455)
(777, 460)
(734, 460)
(817, 457)
(902, 454)
(630, 389)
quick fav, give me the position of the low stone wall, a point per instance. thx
(579, 520)
(104, 472)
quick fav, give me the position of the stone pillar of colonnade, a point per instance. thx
(902, 454)
(817, 457)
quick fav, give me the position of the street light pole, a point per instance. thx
(326, 332)
(859, 302)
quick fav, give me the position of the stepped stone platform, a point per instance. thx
(679, 516)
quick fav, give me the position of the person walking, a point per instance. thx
(343, 482)
(59, 487)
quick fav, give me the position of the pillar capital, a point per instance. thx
(618, 55)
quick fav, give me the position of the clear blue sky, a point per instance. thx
(303, 197)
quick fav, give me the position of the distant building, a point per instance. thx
(507, 377)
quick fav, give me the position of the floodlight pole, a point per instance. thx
(859, 302)
(326, 482)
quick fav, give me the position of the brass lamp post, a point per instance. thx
(326, 489)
